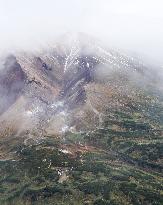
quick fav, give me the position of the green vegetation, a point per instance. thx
(120, 163)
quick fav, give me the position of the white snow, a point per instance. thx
(64, 151)
(33, 111)
(57, 104)
(64, 128)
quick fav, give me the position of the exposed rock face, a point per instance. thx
(12, 82)
(68, 83)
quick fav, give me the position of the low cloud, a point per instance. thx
(135, 26)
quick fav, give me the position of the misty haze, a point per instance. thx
(81, 102)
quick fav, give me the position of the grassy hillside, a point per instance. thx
(118, 163)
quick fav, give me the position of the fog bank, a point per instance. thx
(131, 25)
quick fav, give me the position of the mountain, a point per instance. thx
(80, 119)
(61, 78)
(12, 80)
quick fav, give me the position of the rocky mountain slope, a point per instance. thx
(65, 78)
(80, 120)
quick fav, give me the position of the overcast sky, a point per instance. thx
(135, 25)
